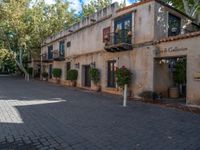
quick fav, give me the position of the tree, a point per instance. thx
(7, 63)
(190, 7)
(24, 25)
(94, 5)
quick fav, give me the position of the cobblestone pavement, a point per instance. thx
(39, 115)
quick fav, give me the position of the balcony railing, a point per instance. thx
(58, 55)
(45, 58)
(118, 41)
(181, 31)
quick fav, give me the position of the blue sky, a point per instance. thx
(76, 4)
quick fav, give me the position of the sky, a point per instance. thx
(76, 4)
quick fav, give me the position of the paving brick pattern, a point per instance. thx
(42, 116)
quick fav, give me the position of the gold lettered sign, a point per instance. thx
(172, 49)
(197, 76)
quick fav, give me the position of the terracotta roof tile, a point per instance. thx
(178, 37)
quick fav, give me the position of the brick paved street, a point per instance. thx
(39, 115)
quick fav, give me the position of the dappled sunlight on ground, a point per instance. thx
(14, 116)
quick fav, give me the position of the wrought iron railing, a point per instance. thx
(58, 55)
(118, 37)
(44, 56)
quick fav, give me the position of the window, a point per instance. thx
(69, 44)
(62, 48)
(174, 24)
(50, 52)
(50, 71)
(123, 29)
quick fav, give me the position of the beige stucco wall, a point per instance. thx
(193, 63)
(163, 78)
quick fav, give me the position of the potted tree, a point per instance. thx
(57, 74)
(44, 76)
(95, 77)
(72, 75)
(123, 78)
(180, 76)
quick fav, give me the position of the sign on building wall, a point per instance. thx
(172, 49)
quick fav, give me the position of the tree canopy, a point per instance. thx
(190, 7)
(94, 5)
(24, 25)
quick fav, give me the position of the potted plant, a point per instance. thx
(44, 76)
(72, 75)
(57, 74)
(180, 76)
(95, 77)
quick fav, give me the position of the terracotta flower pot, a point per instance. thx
(73, 83)
(97, 88)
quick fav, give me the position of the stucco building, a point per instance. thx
(148, 37)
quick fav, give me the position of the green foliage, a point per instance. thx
(57, 72)
(72, 74)
(7, 63)
(30, 70)
(190, 7)
(180, 72)
(94, 75)
(24, 28)
(123, 76)
(45, 75)
(148, 95)
(94, 5)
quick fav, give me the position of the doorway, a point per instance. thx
(87, 79)
(170, 78)
(111, 73)
(50, 71)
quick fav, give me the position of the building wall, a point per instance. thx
(150, 22)
(161, 20)
(143, 22)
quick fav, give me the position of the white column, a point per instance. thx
(125, 95)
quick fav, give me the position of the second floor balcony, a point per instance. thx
(58, 55)
(120, 40)
(47, 57)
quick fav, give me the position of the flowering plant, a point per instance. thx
(123, 76)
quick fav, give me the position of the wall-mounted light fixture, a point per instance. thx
(93, 64)
(70, 31)
(93, 20)
(77, 65)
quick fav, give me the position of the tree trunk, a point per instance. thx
(21, 67)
